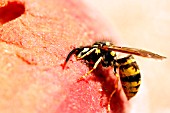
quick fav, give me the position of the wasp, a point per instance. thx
(104, 53)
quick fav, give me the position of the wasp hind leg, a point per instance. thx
(94, 67)
(113, 92)
(115, 87)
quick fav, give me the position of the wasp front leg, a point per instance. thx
(94, 67)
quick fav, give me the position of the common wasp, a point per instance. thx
(104, 53)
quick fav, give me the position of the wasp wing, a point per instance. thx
(134, 51)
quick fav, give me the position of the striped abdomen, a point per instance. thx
(129, 75)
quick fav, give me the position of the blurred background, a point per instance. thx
(144, 24)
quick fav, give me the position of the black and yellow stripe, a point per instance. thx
(129, 75)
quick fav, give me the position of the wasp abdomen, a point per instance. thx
(130, 75)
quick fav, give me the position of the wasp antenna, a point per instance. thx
(68, 57)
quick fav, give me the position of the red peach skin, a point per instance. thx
(36, 37)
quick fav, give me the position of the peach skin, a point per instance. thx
(36, 37)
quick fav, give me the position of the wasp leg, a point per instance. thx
(88, 53)
(94, 67)
(116, 84)
(113, 92)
